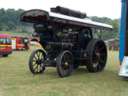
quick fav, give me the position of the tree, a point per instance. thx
(114, 23)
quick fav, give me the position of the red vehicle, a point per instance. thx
(20, 43)
(5, 45)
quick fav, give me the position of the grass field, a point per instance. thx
(16, 79)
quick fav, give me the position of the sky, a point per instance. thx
(101, 8)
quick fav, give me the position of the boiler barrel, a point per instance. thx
(69, 12)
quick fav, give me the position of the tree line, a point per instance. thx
(10, 21)
(115, 23)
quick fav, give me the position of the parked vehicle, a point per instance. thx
(20, 43)
(67, 40)
(5, 45)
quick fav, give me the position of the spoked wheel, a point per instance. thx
(97, 55)
(36, 60)
(65, 64)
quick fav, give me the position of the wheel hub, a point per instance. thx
(66, 63)
(39, 62)
(96, 59)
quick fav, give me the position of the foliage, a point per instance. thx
(114, 23)
(10, 20)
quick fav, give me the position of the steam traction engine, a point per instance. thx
(67, 40)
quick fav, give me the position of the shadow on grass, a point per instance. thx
(80, 72)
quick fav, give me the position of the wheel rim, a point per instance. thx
(36, 62)
(99, 55)
(65, 64)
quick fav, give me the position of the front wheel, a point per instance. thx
(36, 60)
(64, 64)
(97, 55)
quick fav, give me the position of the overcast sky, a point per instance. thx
(107, 8)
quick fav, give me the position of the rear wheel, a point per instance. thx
(97, 55)
(36, 60)
(65, 64)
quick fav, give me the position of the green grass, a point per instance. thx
(16, 79)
